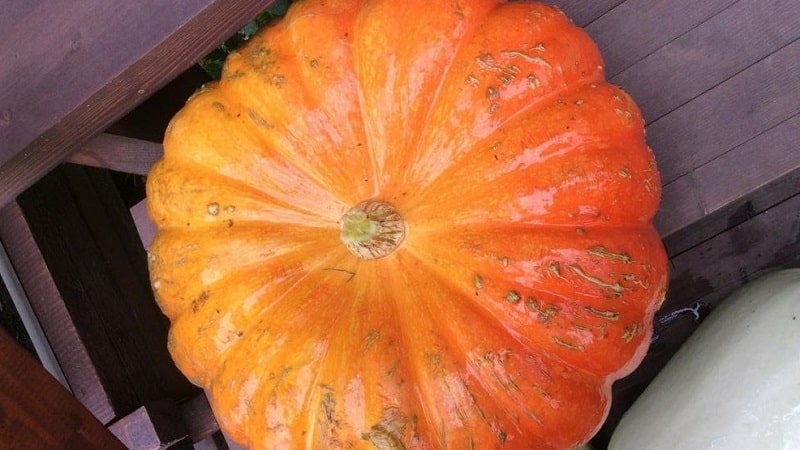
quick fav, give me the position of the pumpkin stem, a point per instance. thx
(372, 229)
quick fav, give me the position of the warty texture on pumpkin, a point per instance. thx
(409, 225)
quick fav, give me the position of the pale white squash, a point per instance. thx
(735, 384)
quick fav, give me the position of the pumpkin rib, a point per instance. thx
(542, 160)
(445, 77)
(300, 95)
(482, 377)
(244, 298)
(291, 309)
(397, 75)
(175, 255)
(363, 361)
(484, 77)
(637, 287)
(215, 211)
(254, 143)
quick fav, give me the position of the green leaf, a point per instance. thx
(214, 61)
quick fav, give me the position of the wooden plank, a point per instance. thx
(637, 28)
(723, 46)
(13, 12)
(96, 62)
(582, 12)
(38, 413)
(198, 417)
(112, 228)
(680, 206)
(728, 115)
(144, 226)
(157, 425)
(774, 153)
(734, 213)
(27, 330)
(119, 153)
(709, 200)
(69, 347)
(75, 215)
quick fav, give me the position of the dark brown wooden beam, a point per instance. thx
(70, 349)
(97, 61)
(91, 254)
(37, 413)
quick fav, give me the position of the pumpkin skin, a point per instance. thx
(529, 271)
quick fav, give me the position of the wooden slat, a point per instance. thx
(67, 343)
(38, 413)
(144, 226)
(716, 50)
(637, 28)
(96, 62)
(774, 153)
(732, 113)
(157, 425)
(729, 191)
(200, 421)
(74, 215)
(583, 12)
(119, 153)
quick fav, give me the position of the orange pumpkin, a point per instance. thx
(409, 225)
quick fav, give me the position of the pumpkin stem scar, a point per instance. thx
(372, 229)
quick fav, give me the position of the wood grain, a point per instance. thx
(583, 12)
(714, 51)
(68, 345)
(91, 249)
(637, 28)
(733, 112)
(97, 61)
(157, 425)
(725, 192)
(38, 413)
(119, 153)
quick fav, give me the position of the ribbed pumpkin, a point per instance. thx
(409, 225)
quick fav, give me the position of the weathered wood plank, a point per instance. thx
(709, 54)
(68, 345)
(728, 115)
(583, 12)
(731, 188)
(38, 413)
(680, 206)
(96, 62)
(13, 12)
(157, 425)
(772, 154)
(200, 421)
(119, 153)
(114, 233)
(637, 28)
(76, 215)
(144, 226)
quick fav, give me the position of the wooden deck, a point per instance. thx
(718, 82)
